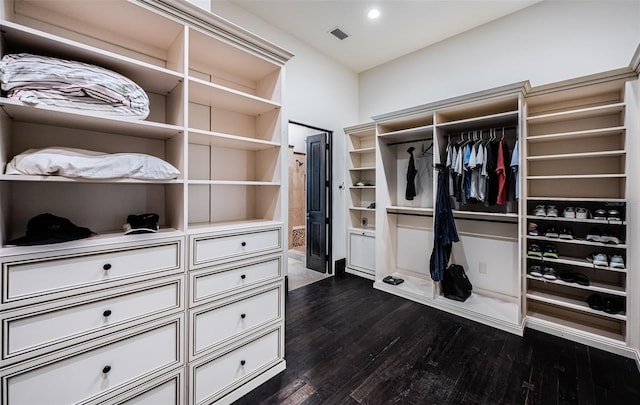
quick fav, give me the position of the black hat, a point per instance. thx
(47, 228)
(144, 223)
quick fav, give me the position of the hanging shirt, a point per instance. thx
(514, 167)
(482, 171)
(501, 171)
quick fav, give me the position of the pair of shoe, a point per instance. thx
(573, 277)
(606, 215)
(549, 251)
(604, 303)
(573, 212)
(607, 236)
(615, 261)
(548, 211)
(393, 280)
(547, 272)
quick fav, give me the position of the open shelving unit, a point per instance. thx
(361, 199)
(577, 157)
(405, 231)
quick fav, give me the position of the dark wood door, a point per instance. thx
(317, 202)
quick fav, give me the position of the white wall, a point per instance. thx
(548, 42)
(318, 92)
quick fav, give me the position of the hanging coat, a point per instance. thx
(411, 176)
(444, 230)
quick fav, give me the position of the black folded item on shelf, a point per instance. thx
(393, 280)
(47, 228)
(143, 223)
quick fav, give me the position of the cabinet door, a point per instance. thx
(362, 251)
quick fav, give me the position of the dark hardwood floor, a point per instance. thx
(347, 343)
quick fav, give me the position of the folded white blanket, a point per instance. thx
(70, 162)
(37, 79)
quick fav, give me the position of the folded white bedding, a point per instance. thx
(70, 162)
(35, 79)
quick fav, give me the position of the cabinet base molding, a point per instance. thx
(476, 308)
(586, 338)
(361, 273)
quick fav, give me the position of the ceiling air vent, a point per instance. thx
(338, 33)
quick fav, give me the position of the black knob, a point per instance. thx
(106, 369)
(107, 266)
(106, 313)
(243, 316)
(244, 244)
(243, 276)
(242, 362)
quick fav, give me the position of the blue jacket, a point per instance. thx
(444, 229)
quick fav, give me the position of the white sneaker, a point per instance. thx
(582, 213)
(569, 212)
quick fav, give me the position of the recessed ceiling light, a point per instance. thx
(373, 13)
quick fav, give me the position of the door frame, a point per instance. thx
(329, 175)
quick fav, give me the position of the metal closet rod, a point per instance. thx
(415, 140)
(483, 130)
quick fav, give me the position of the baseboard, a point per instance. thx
(360, 273)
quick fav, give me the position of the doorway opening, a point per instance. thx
(309, 231)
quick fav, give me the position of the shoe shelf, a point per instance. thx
(548, 318)
(574, 261)
(593, 286)
(570, 303)
(578, 135)
(577, 242)
(577, 114)
(582, 155)
(360, 169)
(578, 220)
(362, 187)
(362, 209)
(575, 199)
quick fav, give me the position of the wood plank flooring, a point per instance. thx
(347, 343)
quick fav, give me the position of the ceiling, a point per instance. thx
(403, 26)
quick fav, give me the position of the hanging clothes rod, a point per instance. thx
(480, 131)
(415, 140)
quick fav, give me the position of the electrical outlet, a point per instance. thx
(482, 268)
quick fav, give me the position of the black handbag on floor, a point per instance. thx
(455, 284)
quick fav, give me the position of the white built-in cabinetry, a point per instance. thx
(405, 227)
(195, 312)
(361, 198)
(577, 158)
(574, 151)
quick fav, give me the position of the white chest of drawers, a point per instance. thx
(236, 312)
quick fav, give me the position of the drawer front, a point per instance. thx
(28, 279)
(211, 379)
(208, 249)
(214, 325)
(97, 371)
(166, 390)
(213, 282)
(44, 328)
(362, 251)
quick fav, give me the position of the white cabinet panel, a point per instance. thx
(214, 325)
(27, 279)
(97, 371)
(35, 330)
(207, 249)
(211, 378)
(362, 251)
(212, 282)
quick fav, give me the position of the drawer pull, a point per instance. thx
(243, 316)
(107, 266)
(242, 362)
(106, 369)
(244, 244)
(243, 276)
(106, 313)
